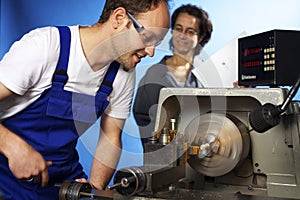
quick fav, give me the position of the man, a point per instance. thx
(191, 31)
(56, 81)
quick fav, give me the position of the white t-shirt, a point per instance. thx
(28, 67)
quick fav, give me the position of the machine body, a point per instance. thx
(216, 154)
(231, 143)
(245, 161)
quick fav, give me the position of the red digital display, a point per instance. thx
(252, 51)
(254, 63)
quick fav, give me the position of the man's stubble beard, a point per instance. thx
(122, 57)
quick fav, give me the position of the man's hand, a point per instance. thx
(23, 160)
(236, 85)
(81, 180)
(25, 163)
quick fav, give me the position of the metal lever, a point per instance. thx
(123, 183)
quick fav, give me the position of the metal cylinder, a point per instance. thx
(164, 137)
(71, 190)
(130, 180)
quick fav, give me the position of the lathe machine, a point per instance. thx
(214, 143)
(213, 151)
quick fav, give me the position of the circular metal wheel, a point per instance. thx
(70, 190)
(136, 180)
(223, 143)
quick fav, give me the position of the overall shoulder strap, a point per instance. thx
(60, 74)
(106, 85)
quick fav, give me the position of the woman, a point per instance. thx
(191, 31)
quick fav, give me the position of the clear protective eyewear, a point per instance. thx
(147, 37)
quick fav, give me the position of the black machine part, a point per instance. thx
(72, 190)
(129, 181)
(269, 115)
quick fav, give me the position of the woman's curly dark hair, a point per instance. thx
(205, 25)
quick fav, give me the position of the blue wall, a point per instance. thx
(20, 16)
(230, 18)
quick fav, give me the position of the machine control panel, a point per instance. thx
(270, 58)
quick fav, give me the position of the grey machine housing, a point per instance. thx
(224, 153)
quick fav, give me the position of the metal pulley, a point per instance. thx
(129, 181)
(72, 190)
(222, 142)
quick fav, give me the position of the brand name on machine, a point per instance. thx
(248, 77)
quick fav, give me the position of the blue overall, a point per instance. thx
(52, 125)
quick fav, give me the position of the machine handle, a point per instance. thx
(269, 115)
(290, 96)
(123, 183)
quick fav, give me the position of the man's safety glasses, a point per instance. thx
(147, 37)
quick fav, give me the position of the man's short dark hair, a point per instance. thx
(132, 6)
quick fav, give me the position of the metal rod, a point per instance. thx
(291, 94)
(111, 187)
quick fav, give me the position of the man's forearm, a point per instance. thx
(105, 161)
(100, 175)
(6, 138)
